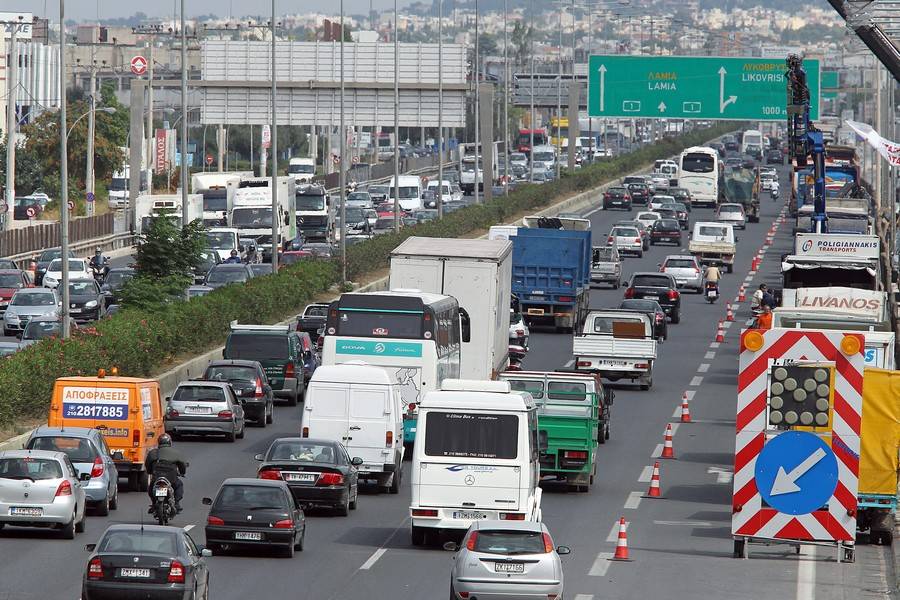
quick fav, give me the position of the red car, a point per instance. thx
(11, 280)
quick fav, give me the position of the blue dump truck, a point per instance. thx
(551, 269)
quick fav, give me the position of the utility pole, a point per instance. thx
(276, 225)
(89, 168)
(149, 131)
(342, 165)
(479, 149)
(531, 120)
(185, 168)
(396, 117)
(559, 97)
(12, 72)
(64, 177)
(440, 197)
(505, 98)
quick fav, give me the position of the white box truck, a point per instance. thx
(150, 207)
(478, 273)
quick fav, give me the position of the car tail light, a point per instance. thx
(95, 568)
(659, 318)
(136, 438)
(629, 293)
(97, 469)
(609, 240)
(258, 392)
(548, 542)
(289, 370)
(284, 524)
(64, 489)
(583, 363)
(172, 412)
(637, 239)
(176, 572)
(641, 365)
(304, 432)
(673, 295)
(470, 542)
(424, 512)
(226, 414)
(512, 516)
(388, 439)
(411, 407)
(566, 298)
(269, 474)
(577, 454)
(330, 479)
(211, 520)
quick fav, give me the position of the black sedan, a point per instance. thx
(660, 287)
(666, 231)
(656, 313)
(145, 561)
(250, 384)
(113, 282)
(254, 512)
(318, 472)
(86, 301)
(228, 273)
(774, 157)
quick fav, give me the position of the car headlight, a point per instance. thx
(90, 304)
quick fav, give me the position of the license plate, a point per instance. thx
(712, 293)
(535, 311)
(142, 573)
(299, 477)
(614, 363)
(161, 493)
(198, 410)
(504, 567)
(253, 536)
(74, 311)
(26, 511)
(471, 515)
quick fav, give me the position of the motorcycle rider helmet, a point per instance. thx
(165, 440)
(98, 252)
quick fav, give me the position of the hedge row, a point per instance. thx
(142, 342)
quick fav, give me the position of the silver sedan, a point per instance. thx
(507, 559)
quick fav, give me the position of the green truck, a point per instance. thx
(573, 417)
(741, 186)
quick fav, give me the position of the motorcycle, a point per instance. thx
(163, 507)
(712, 291)
(516, 356)
(99, 271)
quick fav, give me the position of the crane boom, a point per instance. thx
(805, 142)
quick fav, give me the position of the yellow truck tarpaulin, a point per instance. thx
(880, 432)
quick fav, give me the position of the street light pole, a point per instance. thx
(440, 196)
(341, 165)
(559, 97)
(479, 149)
(184, 129)
(12, 72)
(505, 98)
(89, 168)
(396, 117)
(276, 225)
(64, 178)
(531, 118)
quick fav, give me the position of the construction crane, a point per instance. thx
(805, 142)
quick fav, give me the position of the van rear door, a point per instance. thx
(370, 420)
(326, 412)
(469, 485)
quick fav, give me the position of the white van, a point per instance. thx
(476, 457)
(358, 405)
(302, 169)
(410, 192)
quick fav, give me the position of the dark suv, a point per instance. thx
(617, 196)
(657, 286)
(640, 192)
(250, 384)
(279, 351)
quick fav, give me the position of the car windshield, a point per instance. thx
(74, 265)
(666, 224)
(249, 497)
(698, 162)
(680, 263)
(30, 468)
(729, 209)
(310, 202)
(316, 311)
(381, 190)
(253, 346)
(82, 288)
(624, 232)
(226, 275)
(252, 217)
(385, 223)
(302, 451)
(48, 255)
(221, 240)
(708, 230)
(301, 169)
(603, 254)
(34, 299)
(611, 324)
(231, 372)
(650, 281)
(117, 279)
(260, 269)
(79, 450)
(198, 393)
(133, 542)
(11, 280)
(509, 542)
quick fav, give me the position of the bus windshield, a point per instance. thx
(375, 323)
(698, 162)
(251, 217)
(471, 435)
(215, 200)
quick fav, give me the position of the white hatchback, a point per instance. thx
(733, 214)
(626, 239)
(78, 269)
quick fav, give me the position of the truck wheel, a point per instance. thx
(417, 535)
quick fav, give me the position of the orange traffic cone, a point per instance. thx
(720, 333)
(729, 315)
(754, 264)
(685, 409)
(654, 492)
(668, 451)
(742, 295)
(622, 543)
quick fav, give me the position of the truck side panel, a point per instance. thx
(550, 267)
(880, 432)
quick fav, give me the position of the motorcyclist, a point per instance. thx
(98, 262)
(774, 190)
(252, 256)
(235, 258)
(712, 275)
(166, 461)
(756, 301)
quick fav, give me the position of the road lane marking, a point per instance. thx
(714, 344)
(703, 368)
(646, 474)
(188, 527)
(696, 381)
(606, 564)
(748, 278)
(685, 523)
(727, 324)
(723, 475)
(690, 394)
(634, 500)
(569, 364)
(614, 532)
(657, 452)
(806, 574)
(677, 412)
(709, 355)
(598, 569)
(590, 212)
(373, 559)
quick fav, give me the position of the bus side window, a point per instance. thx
(465, 325)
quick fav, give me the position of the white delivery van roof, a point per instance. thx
(496, 249)
(469, 394)
(351, 372)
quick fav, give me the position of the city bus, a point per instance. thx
(415, 336)
(698, 172)
(523, 141)
(557, 137)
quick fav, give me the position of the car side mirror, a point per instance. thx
(465, 325)
(356, 461)
(84, 477)
(205, 552)
(258, 457)
(207, 501)
(451, 546)
(118, 455)
(168, 398)
(90, 547)
(563, 550)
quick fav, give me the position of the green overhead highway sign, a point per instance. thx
(693, 87)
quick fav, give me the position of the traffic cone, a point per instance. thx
(654, 492)
(685, 409)
(668, 451)
(622, 543)
(729, 315)
(720, 333)
(742, 295)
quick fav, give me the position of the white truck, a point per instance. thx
(149, 207)
(252, 212)
(821, 259)
(713, 243)
(476, 457)
(302, 169)
(118, 187)
(617, 344)
(314, 215)
(216, 189)
(478, 273)
(410, 192)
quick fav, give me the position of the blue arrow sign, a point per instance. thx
(796, 473)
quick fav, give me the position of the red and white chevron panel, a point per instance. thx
(749, 517)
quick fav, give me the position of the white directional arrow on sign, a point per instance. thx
(722, 101)
(602, 70)
(662, 107)
(785, 483)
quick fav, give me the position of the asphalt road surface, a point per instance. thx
(681, 545)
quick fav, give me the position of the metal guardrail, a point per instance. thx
(113, 241)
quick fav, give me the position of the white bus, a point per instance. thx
(415, 336)
(698, 172)
(752, 143)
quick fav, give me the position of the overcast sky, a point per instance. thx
(109, 9)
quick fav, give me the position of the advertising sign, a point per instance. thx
(21, 22)
(836, 245)
(160, 163)
(841, 299)
(95, 403)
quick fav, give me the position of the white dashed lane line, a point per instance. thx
(714, 345)
(598, 569)
(634, 500)
(726, 324)
(614, 532)
(646, 474)
(657, 452)
(696, 381)
(703, 368)
(373, 559)
(709, 355)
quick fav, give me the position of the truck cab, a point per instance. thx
(302, 169)
(617, 344)
(713, 243)
(313, 213)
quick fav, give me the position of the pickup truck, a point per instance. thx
(606, 266)
(312, 318)
(617, 344)
(713, 244)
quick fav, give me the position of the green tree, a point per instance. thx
(520, 39)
